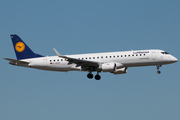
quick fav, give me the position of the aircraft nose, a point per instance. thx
(174, 59)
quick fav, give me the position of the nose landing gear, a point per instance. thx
(158, 72)
(158, 66)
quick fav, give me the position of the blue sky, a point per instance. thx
(74, 27)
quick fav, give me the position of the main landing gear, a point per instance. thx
(97, 77)
(90, 75)
(158, 66)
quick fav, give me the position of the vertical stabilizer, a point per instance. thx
(21, 49)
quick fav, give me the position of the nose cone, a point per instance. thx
(174, 59)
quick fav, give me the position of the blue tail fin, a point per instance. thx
(21, 49)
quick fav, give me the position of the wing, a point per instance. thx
(85, 64)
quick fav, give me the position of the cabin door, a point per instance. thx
(45, 62)
(154, 55)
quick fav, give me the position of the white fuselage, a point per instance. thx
(122, 59)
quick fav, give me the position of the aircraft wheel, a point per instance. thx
(158, 72)
(90, 75)
(158, 66)
(97, 77)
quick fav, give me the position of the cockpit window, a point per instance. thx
(164, 53)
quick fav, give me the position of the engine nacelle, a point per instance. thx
(108, 67)
(120, 71)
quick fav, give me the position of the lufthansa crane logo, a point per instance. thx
(20, 46)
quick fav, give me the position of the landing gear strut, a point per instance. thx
(158, 71)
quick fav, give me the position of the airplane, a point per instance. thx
(113, 62)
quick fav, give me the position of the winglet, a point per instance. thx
(58, 54)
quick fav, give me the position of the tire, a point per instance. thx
(97, 77)
(158, 72)
(90, 76)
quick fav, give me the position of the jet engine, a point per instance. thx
(111, 67)
(108, 67)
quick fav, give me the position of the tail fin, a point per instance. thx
(21, 49)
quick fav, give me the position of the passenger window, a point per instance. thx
(106, 56)
(93, 57)
(54, 60)
(121, 55)
(102, 57)
(129, 55)
(124, 55)
(133, 55)
(89, 57)
(136, 54)
(50, 60)
(109, 56)
(140, 54)
(118, 56)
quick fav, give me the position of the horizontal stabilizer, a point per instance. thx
(16, 61)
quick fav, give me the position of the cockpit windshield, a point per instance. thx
(164, 53)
